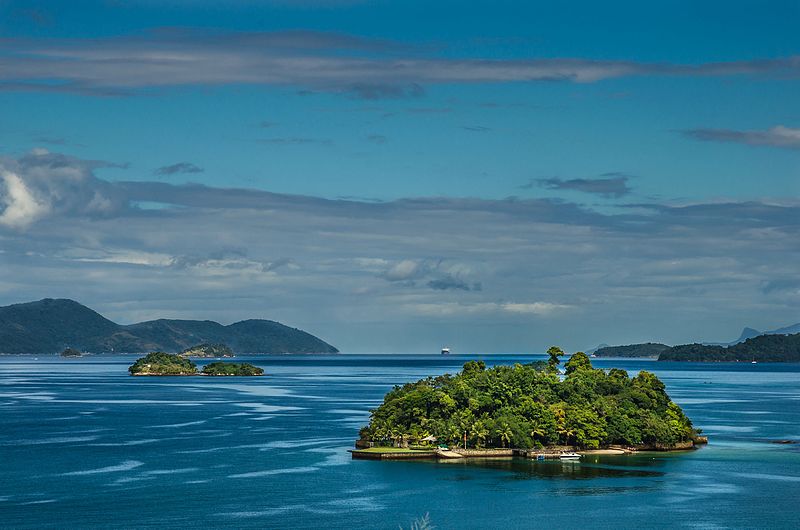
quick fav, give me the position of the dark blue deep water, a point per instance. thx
(84, 445)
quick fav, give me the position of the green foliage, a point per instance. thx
(648, 349)
(223, 368)
(554, 352)
(578, 361)
(71, 352)
(530, 406)
(764, 348)
(160, 363)
(208, 350)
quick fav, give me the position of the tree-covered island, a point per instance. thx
(532, 406)
(208, 350)
(220, 368)
(160, 363)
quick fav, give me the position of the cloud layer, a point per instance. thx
(310, 60)
(405, 275)
(778, 136)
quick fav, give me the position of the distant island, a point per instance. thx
(221, 368)
(764, 348)
(71, 352)
(648, 349)
(208, 351)
(49, 326)
(529, 407)
(160, 364)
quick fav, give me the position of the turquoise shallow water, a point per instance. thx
(84, 445)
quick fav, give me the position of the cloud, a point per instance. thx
(180, 167)
(294, 140)
(307, 60)
(448, 281)
(449, 309)
(20, 207)
(41, 183)
(377, 138)
(614, 185)
(778, 136)
(391, 276)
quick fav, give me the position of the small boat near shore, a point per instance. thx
(570, 456)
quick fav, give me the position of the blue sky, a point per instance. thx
(625, 116)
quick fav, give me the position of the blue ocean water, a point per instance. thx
(84, 445)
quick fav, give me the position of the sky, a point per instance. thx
(396, 177)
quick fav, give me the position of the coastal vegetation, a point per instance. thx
(532, 406)
(71, 352)
(648, 349)
(208, 350)
(160, 363)
(764, 348)
(220, 368)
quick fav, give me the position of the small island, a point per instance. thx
(161, 364)
(206, 350)
(527, 410)
(71, 353)
(243, 369)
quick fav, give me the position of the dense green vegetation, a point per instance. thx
(71, 352)
(208, 350)
(48, 326)
(222, 368)
(648, 349)
(764, 348)
(160, 363)
(529, 406)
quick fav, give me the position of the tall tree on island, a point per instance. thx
(554, 352)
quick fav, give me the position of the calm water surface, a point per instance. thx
(84, 445)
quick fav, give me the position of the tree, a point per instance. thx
(480, 432)
(554, 352)
(578, 361)
(505, 433)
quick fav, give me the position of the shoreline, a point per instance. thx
(545, 453)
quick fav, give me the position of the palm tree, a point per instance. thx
(480, 432)
(538, 432)
(505, 433)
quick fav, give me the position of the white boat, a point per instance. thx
(570, 456)
(753, 362)
(445, 351)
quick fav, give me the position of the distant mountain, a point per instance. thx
(749, 333)
(764, 348)
(648, 349)
(49, 326)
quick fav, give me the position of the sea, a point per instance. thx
(85, 445)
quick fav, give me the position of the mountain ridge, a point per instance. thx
(50, 325)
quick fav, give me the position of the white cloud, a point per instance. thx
(21, 207)
(549, 272)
